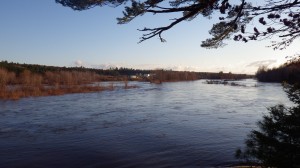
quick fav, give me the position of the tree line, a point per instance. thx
(42, 69)
(114, 74)
(288, 72)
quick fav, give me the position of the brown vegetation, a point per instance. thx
(160, 76)
(28, 84)
(224, 76)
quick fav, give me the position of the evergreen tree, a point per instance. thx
(277, 143)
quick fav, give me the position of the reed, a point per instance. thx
(28, 84)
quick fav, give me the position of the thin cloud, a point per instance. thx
(79, 63)
(265, 63)
(106, 66)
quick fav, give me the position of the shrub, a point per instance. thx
(277, 143)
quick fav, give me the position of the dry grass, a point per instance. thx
(42, 91)
(28, 84)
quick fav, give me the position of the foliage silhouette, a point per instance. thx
(277, 143)
(276, 17)
(288, 72)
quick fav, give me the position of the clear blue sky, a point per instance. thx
(43, 32)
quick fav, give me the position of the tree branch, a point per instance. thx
(158, 31)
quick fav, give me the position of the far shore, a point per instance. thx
(28, 80)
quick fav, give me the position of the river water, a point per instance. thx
(180, 124)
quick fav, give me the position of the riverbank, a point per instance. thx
(28, 84)
(28, 80)
(22, 92)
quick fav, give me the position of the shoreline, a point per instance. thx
(30, 91)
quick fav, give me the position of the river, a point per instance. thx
(180, 124)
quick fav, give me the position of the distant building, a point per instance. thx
(133, 77)
(147, 75)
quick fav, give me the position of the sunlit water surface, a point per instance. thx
(181, 124)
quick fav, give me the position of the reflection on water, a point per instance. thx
(173, 124)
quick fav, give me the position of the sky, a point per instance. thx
(44, 32)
